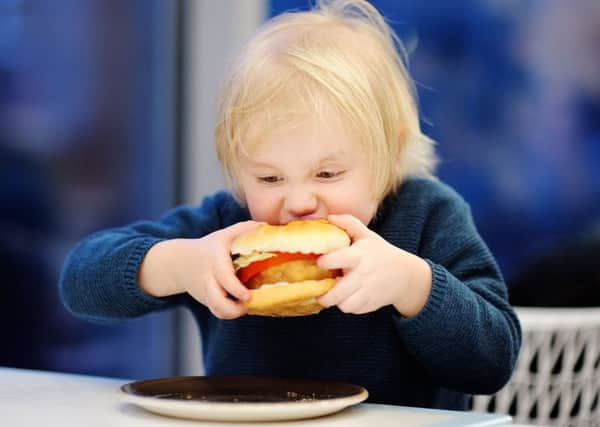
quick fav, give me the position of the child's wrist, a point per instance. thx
(153, 274)
(418, 289)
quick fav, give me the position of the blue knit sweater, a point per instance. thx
(464, 341)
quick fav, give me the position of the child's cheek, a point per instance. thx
(263, 208)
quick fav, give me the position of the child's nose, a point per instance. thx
(301, 202)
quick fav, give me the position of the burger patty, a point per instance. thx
(292, 271)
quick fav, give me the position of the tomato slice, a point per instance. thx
(251, 270)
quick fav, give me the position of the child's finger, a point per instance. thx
(353, 226)
(221, 306)
(234, 287)
(345, 258)
(225, 275)
(343, 289)
(356, 303)
(239, 228)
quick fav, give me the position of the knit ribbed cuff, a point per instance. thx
(130, 274)
(433, 306)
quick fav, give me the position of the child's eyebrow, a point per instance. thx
(335, 156)
(258, 164)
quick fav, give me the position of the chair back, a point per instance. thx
(557, 377)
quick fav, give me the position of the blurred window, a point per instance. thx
(87, 141)
(510, 90)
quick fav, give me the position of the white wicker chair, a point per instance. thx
(557, 378)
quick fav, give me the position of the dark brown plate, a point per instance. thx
(246, 398)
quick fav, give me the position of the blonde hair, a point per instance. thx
(341, 56)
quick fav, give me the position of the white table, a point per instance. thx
(38, 398)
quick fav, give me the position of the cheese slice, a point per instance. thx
(245, 260)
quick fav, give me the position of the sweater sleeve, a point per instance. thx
(99, 277)
(467, 336)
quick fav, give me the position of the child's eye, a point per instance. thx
(270, 179)
(329, 174)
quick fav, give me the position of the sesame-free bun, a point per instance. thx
(288, 299)
(291, 288)
(316, 236)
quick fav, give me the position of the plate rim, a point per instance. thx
(284, 410)
(359, 389)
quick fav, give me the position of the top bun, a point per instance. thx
(317, 236)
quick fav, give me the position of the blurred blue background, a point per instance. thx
(85, 144)
(510, 90)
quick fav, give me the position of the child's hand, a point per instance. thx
(201, 267)
(211, 275)
(376, 273)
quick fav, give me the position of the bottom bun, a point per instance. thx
(288, 299)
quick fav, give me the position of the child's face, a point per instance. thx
(309, 171)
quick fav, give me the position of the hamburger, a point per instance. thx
(278, 263)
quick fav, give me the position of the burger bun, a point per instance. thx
(295, 293)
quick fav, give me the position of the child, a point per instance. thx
(317, 119)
